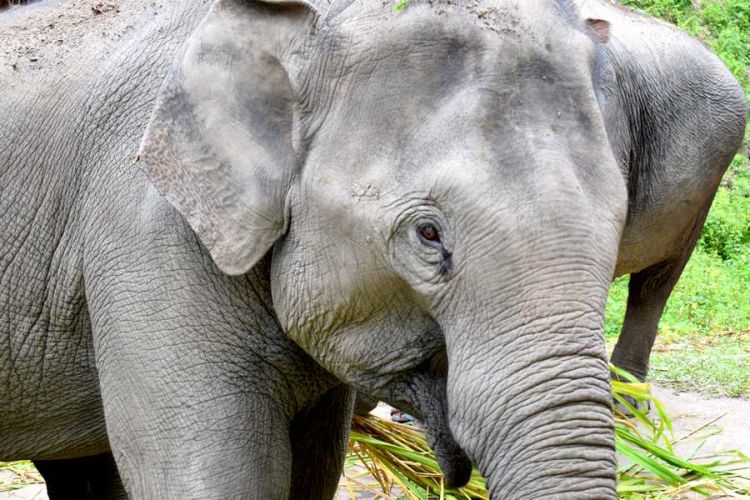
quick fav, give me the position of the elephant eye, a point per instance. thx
(429, 232)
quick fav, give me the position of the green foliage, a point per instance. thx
(727, 229)
(400, 4)
(711, 297)
(670, 10)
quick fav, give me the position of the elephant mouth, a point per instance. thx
(424, 395)
(453, 461)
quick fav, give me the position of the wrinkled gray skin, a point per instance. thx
(300, 147)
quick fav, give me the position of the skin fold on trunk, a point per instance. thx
(538, 424)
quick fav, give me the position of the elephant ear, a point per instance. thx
(219, 146)
(598, 29)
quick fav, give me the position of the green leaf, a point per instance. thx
(400, 4)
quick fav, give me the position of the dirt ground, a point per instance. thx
(714, 425)
(46, 34)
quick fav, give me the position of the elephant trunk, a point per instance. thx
(530, 402)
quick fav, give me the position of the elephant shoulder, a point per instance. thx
(675, 116)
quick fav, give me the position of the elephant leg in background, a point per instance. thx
(648, 292)
(319, 437)
(85, 478)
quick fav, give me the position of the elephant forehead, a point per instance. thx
(436, 28)
(384, 74)
(440, 94)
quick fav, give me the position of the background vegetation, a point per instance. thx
(704, 334)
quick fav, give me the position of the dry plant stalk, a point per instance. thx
(398, 458)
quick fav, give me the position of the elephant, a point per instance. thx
(222, 219)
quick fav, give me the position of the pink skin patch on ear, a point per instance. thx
(598, 29)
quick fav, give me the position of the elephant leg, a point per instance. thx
(319, 437)
(648, 292)
(94, 478)
(199, 383)
(192, 419)
(193, 432)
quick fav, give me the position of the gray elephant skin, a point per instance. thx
(218, 220)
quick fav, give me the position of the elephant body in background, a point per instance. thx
(675, 119)
(219, 218)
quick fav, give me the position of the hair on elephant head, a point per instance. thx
(436, 184)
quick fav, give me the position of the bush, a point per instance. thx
(711, 296)
(727, 229)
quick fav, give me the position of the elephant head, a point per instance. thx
(442, 204)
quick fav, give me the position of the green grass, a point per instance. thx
(719, 370)
(716, 366)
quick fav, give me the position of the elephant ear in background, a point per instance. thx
(597, 29)
(220, 146)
